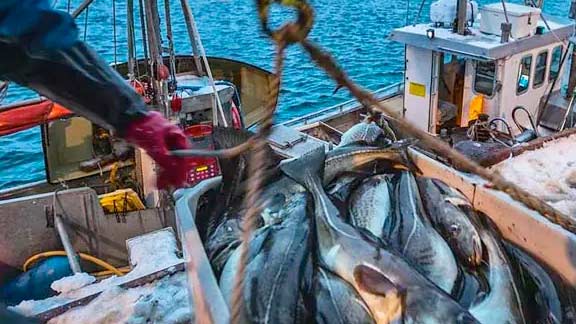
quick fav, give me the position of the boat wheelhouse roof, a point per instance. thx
(482, 46)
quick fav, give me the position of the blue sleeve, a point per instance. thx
(35, 26)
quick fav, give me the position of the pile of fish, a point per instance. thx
(355, 235)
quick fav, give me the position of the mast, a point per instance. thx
(192, 32)
(461, 17)
(155, 48)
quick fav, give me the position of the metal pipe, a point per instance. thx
(192, 32)
(70, 253)
(81, 8)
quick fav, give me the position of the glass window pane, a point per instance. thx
(485, 78)
(524, 74)
(540, 69)
(555, 63)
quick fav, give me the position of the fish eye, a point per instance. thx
(454, 229)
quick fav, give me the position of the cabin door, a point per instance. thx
(450, 90)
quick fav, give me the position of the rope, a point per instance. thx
(256, 169)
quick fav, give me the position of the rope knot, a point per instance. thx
(291, 32)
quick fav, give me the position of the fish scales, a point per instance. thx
(371, 204)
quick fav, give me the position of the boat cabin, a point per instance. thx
(490, 68)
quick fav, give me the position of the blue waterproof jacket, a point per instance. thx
(40, 49)
(35, 25)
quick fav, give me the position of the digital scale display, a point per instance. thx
(202, 168)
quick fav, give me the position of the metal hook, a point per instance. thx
(521, 127)
(492, 126)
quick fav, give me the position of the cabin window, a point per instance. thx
(524, 74)
(555, 63)
(485, 78)
(540, 69)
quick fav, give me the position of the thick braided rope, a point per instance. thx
(252, 202)
(326, 62)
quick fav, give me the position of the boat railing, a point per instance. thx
(353, 104)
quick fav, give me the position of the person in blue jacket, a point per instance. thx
(40, 49)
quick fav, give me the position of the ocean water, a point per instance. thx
(355, 32)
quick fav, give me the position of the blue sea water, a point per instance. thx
(355, 32)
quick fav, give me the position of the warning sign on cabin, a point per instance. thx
(417, 89)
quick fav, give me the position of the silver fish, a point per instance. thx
(351, 158)
(273, 278)
(410, 233)
(366, 132)
(280, 199)
(503, 303)
(390, 287)
(338, 302)
(223, 242)
(371, 204)
(549, 307)
(451, 221)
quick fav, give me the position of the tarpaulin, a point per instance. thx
(27, 115)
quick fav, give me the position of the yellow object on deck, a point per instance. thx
(476, 107)
(121, 201)
(82, 256)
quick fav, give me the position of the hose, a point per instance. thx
(83, 256)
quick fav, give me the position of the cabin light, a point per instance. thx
(430, 33)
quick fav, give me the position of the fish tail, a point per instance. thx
(306, 168)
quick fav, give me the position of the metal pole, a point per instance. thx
(70, 253)
(81, 8)
(461, 20)
(192, 33)
(572, 75)
(130, 29)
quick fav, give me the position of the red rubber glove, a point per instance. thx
(157, 136)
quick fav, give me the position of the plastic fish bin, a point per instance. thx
(203, 287)
(547, 242)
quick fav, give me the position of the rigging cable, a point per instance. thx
(419, 12)
(86, 23)
(144, 37)
(114, 32)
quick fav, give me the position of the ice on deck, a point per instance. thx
(549, 173)
(163, 301)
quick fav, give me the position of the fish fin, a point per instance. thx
(374, 282)
(300, 169)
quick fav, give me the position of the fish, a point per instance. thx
(451, 221)
(503, 303)
(470, 287)
(280, 198)
(371, 204)
(338, 302)
(233, 170)
(353, 157)
(273, 278)
(340, 190)
(391, 288)
(409, 232)
(221, 244)
(364, 132)
(542, 289)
